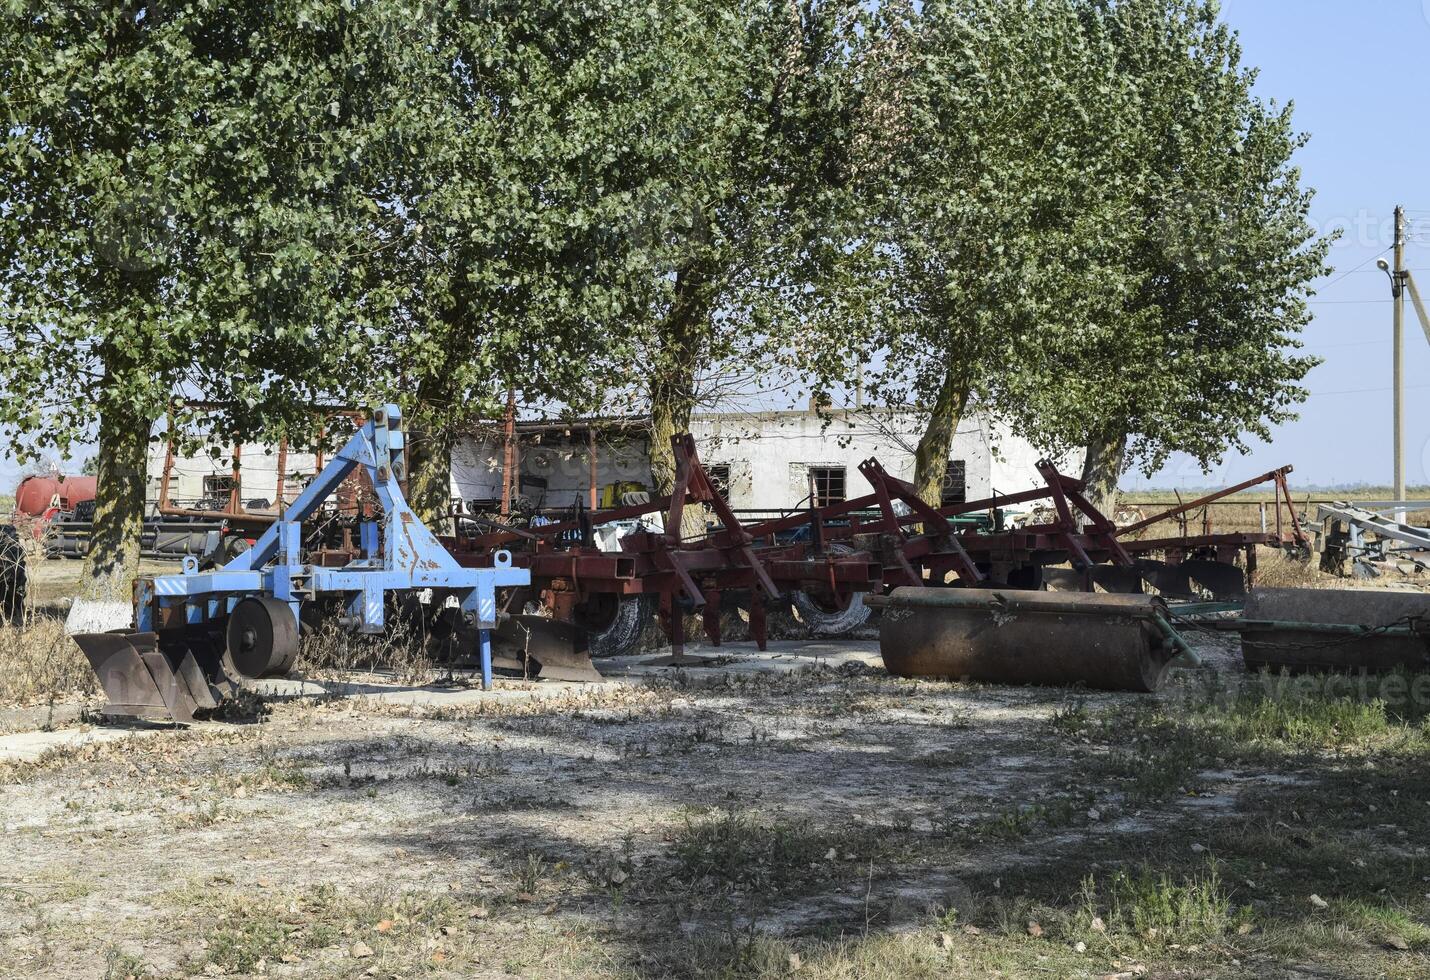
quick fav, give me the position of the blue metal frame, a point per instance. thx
(410, 556)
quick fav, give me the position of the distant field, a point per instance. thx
(1242, 512)
(1300, 494)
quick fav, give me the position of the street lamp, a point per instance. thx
(1397, 279)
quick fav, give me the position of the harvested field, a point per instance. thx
(799, 814)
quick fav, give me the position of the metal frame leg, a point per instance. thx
(485, 644)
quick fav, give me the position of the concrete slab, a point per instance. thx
(782, 656)
(29, 746)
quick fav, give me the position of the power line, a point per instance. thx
(1358, 268)
(1362, 391)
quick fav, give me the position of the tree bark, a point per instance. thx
(680, 339)
(112, 562)
(429, 474)
(1102, 468)
(931, 456)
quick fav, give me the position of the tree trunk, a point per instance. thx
(1102, 468)
(429, 474)
(112, 562)
(681, 337)
(931, 457)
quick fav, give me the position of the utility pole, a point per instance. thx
(1398, 342)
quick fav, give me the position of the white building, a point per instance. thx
(767, 460)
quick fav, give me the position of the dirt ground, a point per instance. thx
(823, 821)
(799, 814)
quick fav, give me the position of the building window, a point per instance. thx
(217, 486)
(719, 474)
(827, 485)
(955, 483)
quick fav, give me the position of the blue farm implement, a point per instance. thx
(196, 635)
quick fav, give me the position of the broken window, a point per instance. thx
(827, 485)
(955, 483)
(218, 485)
(719, 474)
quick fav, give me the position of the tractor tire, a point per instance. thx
(13, 580)
(618, 632)
(828, 622)
(819, 619)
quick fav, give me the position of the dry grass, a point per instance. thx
(403, 650)
(1242, 513)
(40, 664)
(1277, 570)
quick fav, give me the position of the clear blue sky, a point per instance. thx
(1356, 72)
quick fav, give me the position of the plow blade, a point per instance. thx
(1108, 578)
(1117, 579)
(1224, 581)
(1107, 642)
(143, 681)
(539, 647)
(1336, 629)
(1171, 581)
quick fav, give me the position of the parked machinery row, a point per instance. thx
(1069, 599)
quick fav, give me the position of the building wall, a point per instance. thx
(562, 463)
(259, 466)
(768, 456)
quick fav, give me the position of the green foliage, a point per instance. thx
(182, 211)
(1072, 213)
(1194, 348)
(1153, 906)
(187, 211)
(525, 245)
(1077, 216)
(756, 201)
(984, 176)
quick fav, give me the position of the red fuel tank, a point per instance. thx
(37, 494)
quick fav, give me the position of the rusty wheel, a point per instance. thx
(262, 637)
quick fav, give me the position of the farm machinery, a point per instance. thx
(13, 581)
(1069, 598)
(839, 559)
(1072, 598)
(58, 511)
(196, 635)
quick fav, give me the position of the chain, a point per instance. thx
(1418, 625)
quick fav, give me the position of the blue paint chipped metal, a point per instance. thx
(400, 555)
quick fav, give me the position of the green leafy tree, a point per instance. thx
(527, 248)
(1085, 225)
(181, 216)
(984, 174)
(759, 176)
(1201, 353)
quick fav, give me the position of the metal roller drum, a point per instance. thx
(1336, 629)
(1107, 642)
